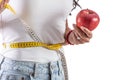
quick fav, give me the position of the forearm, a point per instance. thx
(67, 29)
(66, 33)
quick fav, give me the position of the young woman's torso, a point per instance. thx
(47, 19)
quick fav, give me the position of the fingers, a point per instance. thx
(83, 33)
(86, 31)
(7, 1)
(2, 4)
(80, 35)
(75, 38)
(83, 38)
(76, 28)
(78, 39)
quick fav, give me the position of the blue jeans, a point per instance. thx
(26, 70)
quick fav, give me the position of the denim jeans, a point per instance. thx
(27, 70)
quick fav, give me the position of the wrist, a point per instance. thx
(67, 37)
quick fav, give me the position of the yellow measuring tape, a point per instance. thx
(29, 44)
(32, 44)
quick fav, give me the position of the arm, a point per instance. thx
(67, 29)
(66, 32)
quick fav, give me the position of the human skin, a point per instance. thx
(83, 33)
(2, 3)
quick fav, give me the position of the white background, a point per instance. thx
(100, 58)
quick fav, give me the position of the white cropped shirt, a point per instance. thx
(47, 19)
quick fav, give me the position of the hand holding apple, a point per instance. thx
(87, 18)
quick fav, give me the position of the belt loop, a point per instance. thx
(34, 70)
(2, 58)
(51, 68)
(60, 67)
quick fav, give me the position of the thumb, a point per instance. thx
(77, 28)
(74, 26)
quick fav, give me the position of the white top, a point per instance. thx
(47, 19)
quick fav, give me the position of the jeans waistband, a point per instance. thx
(27, 66)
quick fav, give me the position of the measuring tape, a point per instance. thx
(29, 44)
(7, 6)
(37, 44)
(32, 44)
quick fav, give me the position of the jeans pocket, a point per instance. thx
(6, 75)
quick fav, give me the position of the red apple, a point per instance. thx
(87, 18)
